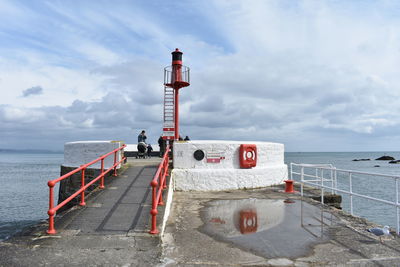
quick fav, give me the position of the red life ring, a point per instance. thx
(248, 221)
(247, 156)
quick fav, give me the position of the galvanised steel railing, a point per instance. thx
(327, 174)
(52, 210)
(158, 184)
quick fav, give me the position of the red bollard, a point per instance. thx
(289, 188)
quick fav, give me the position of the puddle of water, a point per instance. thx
(267, 227)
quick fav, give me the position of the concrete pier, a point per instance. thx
(257, 227)
(111, 230)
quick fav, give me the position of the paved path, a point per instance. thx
(122, 208)
(110, 230)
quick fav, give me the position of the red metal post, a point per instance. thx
(176, 92)
(165, 173)
(82, 203)
(154, 211)
(51, 230)
(102, 174)
(161, 182)
(115, 161)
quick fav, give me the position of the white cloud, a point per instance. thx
(273, 70)
(98, 53)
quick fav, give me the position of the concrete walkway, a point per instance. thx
(111, 230)
(263, 227)
(207, 229)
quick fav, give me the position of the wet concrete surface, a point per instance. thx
(260, 228)
(267, 227)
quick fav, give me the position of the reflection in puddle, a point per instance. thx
(268, 227)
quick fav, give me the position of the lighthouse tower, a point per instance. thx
(176, 77)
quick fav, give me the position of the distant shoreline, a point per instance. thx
(30, 151)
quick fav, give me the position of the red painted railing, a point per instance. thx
(158, 184)
(52, 210)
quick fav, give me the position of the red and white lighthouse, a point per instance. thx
(176, 76)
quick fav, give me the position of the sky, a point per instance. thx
(313, 75)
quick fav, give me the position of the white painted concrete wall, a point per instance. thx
(190, 174)
(82, 152)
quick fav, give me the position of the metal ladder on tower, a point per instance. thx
(169, 112)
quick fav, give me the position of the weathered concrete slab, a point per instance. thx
(202, 230)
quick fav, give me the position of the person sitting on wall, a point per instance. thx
(142, 137)
(186, 138)
(161, 144)
(149, 150)
(180, 138)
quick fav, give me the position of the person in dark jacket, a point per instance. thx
(161, 144)
(142, 137)
(186, 138)
(149, 150)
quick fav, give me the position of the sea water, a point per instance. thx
(24, 192)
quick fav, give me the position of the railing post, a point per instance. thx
(160, 183)
(51, 212)
(302, 179)
(165, 173)
(322, 186)
(291, 171)
(397, 206)
(154, 211)
(115, 161)
(351, 194)
(82, 203)
(335, 181)
(102, 174)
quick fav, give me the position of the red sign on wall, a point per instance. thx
(215, 157)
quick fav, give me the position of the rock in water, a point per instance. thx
(385, 158)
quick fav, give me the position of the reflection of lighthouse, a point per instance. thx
(176, 76)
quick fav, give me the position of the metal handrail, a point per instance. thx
(319, 182)
(159, 181)
(183, 75)
(52, 210)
